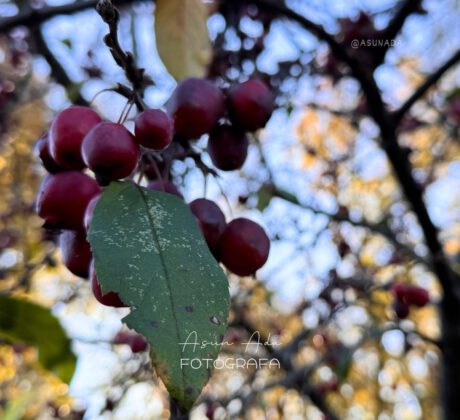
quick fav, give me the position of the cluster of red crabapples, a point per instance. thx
(78, 142)
(406, 296)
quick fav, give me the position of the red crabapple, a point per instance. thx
(42, 150)
(243, 247)
(250, 105)
(109, 298)
(110, 150)
(153, 129)
(63, 198)
(89, 211)
(417, 296)
(211, 221)
(412, 295)
(401, 309)
(195, 106)
(136, 341)
(76, 252)
(67, 132)
(227, 147)
(164, 186)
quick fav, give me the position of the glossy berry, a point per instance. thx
(211, 221)
(250, 105)
(63, 197)
(401, 309)
(76, 252)
(153, 129)
(164, 186)
(89, 212)
(108, 299)
(67, 132)
(110, 150)
(42, 150)
(195, 107)
(227, 148)
(136, 341)
(243, 247)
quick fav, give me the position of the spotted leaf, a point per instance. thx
(148, 248)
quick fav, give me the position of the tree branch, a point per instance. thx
(396, 24)
(295, 377)
(394, 27)
(38, 16)
(425, 86)
(57, 70)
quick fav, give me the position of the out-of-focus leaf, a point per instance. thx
(27, 322)
(182, 37)
(264, 196)
(16, 407)
(343, 364)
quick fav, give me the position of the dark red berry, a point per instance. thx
(250, 105)
(110, 150)
(453, 110)
(42, 150)
(164, 186)
(195, 107)
(63, 198)
(67, 132)
(417, 296)
(138, 344)
(400, 290)
(243, 247)
(227, 147)
(76, 252)
(401, 309)
(153, 129)
(412, 295)
(122, 337)
(211, 221)
(108, 299)
(89, 211)
(136, 341)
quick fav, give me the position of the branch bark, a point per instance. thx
(38, 16)
(394, 27)
(425, 86)
(57, 70)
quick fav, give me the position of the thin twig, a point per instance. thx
(425, 86)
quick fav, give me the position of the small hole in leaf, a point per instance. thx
(189, 308)
(154, 324)
(214, 320)
(189, 391)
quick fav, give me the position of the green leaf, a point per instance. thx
(182, 37)
(148, 248)
(27, 322)
(345, 358)
(17, 406)
(264, 197)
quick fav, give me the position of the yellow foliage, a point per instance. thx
(328, 136)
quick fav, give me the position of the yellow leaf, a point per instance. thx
(182, 37)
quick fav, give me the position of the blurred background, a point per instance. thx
(317, 178)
